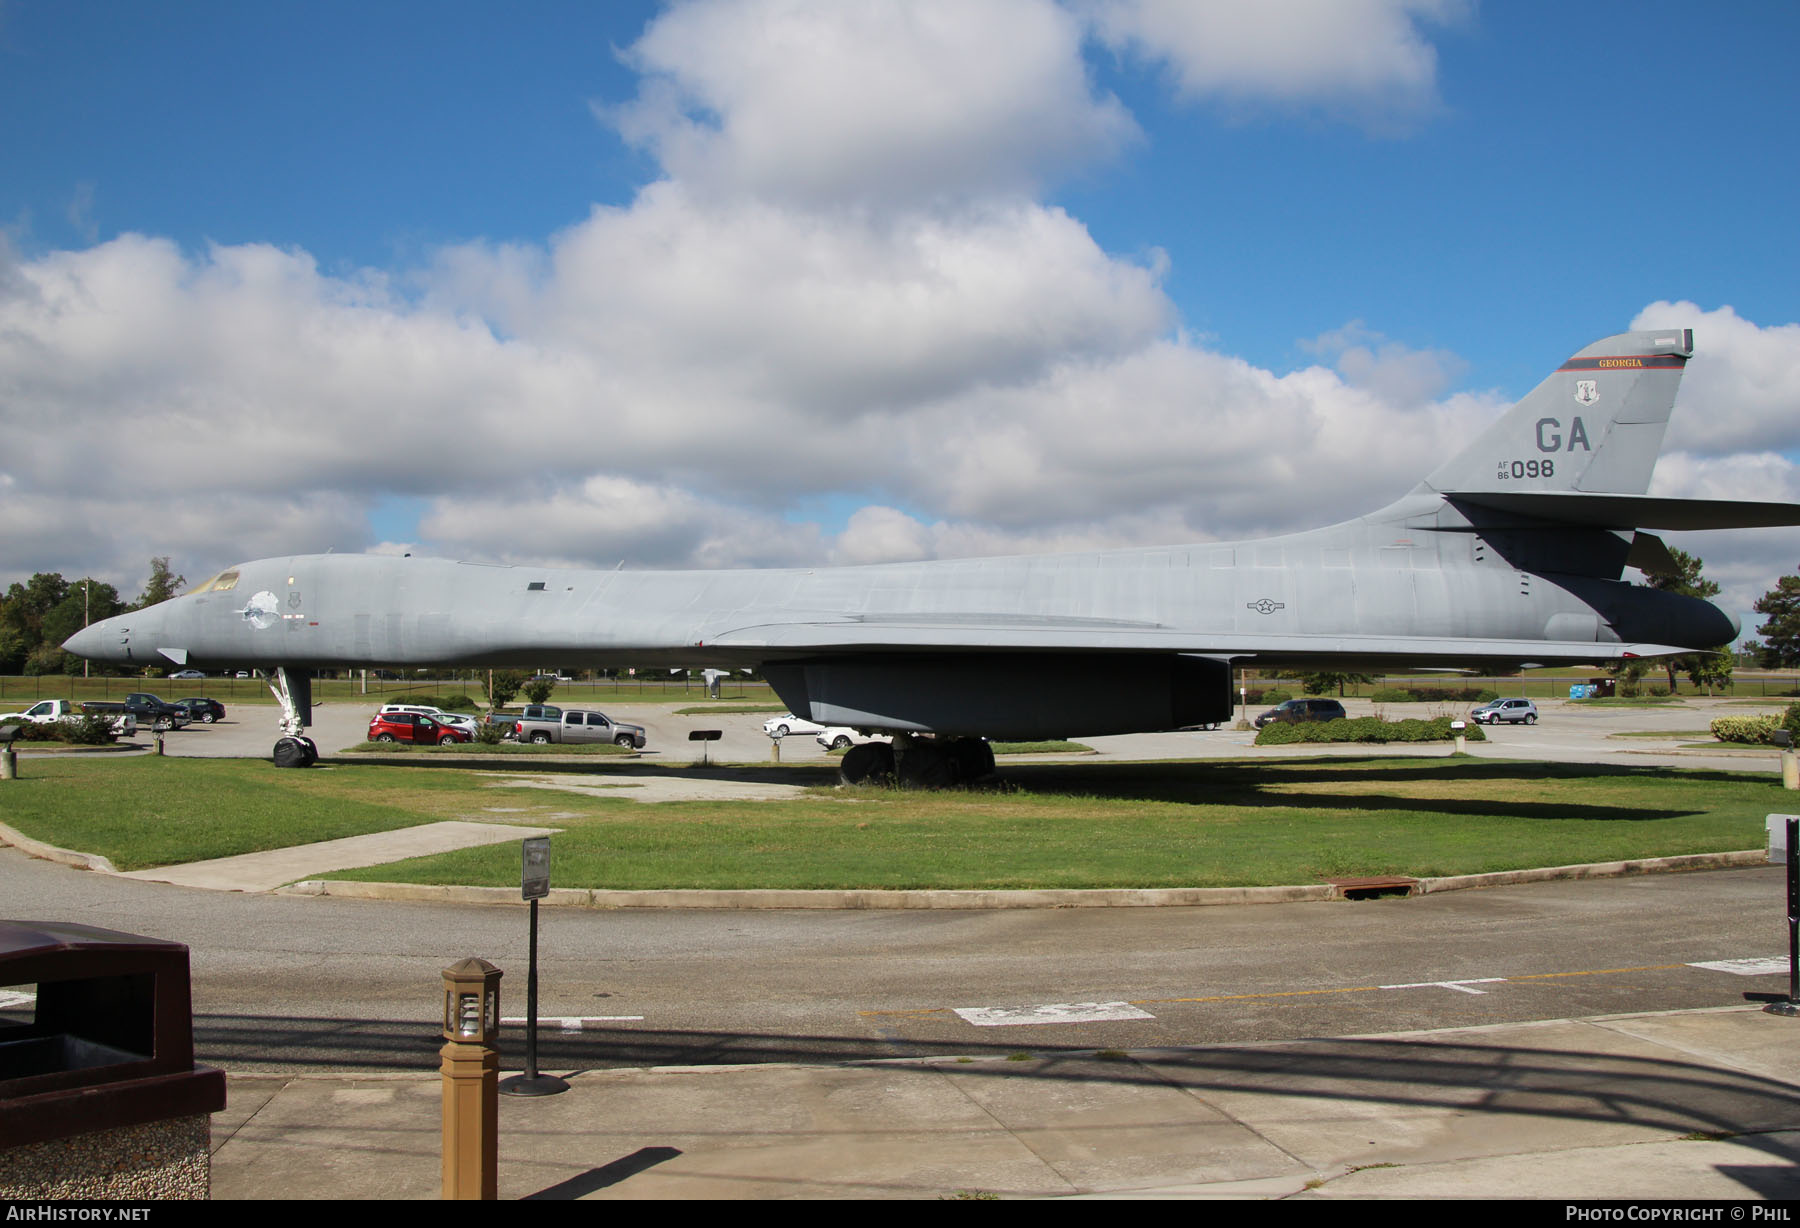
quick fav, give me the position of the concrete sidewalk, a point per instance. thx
(1685, 1105)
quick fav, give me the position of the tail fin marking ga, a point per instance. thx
(1594, 426)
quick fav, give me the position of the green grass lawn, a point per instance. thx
(1050, 825)
(149, 811)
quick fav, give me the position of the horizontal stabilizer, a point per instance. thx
(1631, 511)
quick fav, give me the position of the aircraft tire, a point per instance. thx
(312, 751)
(925, 765)
(973, 759)
(867, 763)
(290, 753)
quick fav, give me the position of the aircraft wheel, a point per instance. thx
(312, 750)
(925, 765)
(868, 763)
(291, 753)
(972, 758)
(540, 738)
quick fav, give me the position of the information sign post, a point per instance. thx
(534, 885)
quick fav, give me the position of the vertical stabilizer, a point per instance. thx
(1595, 426)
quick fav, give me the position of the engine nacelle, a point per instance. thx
(1016, 696)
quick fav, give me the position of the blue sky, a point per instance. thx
(1373, 230)
(1580, 161)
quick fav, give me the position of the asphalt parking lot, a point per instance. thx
(1571, 732)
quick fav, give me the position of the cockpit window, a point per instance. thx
(223, 582)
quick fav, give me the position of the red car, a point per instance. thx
(413, 727)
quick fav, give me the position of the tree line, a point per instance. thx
(38, 615)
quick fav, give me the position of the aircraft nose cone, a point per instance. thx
(85, 642)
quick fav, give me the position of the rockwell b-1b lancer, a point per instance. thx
(1511, 552)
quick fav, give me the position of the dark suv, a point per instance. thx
(1299, 711)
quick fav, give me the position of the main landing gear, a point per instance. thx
(916, 762)
(294, 694)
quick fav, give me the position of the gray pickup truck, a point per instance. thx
(574, 725)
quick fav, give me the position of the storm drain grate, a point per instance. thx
(1374, 888)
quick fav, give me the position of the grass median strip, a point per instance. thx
(149, 811)
(1050, 825)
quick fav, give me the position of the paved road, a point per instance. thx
(293, 982)
(285, 983)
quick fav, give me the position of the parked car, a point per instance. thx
(415, 728)
(837, 737)
(188, 673)
(1300, 711)
(781, 726)
(199, 708)
(465, 723)
(1512, 711)
(505, 721)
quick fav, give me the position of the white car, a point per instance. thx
(454, 720)
(781, 726)
(837, 737)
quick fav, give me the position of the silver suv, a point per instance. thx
(1512, 711)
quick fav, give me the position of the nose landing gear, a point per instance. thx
(294, 693)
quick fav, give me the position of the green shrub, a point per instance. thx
(1790, 721)
(31, 731)
(460, 702)
(86, 730)
(490, 734)
(1755, 730)
(78, 730)
(1433, 695)
(1364, 729)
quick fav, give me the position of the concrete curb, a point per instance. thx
(49, 852)
(1598, 869)
(1147, 897)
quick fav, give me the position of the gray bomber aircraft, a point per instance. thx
(1510, 553)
